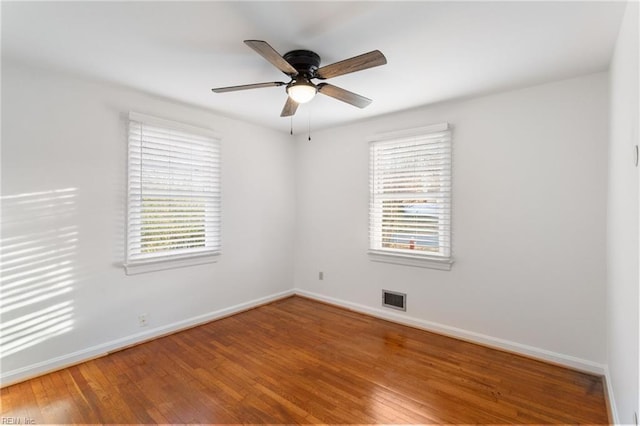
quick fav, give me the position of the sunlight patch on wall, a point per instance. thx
(31, 329)
(38, 254)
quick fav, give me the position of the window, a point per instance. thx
(410, 204)
(173, 209)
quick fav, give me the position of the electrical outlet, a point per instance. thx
(143, 320)
(321, 275)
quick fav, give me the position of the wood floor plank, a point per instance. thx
(301, 361)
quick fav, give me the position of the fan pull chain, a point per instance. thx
(309, 131)
(291, 131)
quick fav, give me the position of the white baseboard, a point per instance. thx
(611, 401)
(21, 374)
(470, 336)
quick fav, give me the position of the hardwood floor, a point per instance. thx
(300, 361)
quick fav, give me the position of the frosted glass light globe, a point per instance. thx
(301, 91)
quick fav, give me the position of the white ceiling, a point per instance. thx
(436, 51)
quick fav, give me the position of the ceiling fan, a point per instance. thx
(302, 66)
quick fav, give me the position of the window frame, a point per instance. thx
(136, 263)
(443, 260)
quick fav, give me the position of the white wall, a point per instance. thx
(529, 197)
(622, 222)
(62, 134)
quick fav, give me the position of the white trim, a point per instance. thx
(66, 360)
(379, 137)
(386, 154)
(408, 260)
(163, 122)
(162, 263)
(611, 401)
(470, 336)
(202, 177)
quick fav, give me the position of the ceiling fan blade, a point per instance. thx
(290, 108)
(270, 54)
(357, 63)
(247, 86)
(343, 95)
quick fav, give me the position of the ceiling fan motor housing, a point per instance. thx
(305, 62)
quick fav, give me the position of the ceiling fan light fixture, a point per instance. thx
(301, 91)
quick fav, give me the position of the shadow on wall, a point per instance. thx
(38, 252)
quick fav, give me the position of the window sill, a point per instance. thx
(134, 268)
(409, 260)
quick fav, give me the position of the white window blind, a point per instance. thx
(410, 203)
(173, 192)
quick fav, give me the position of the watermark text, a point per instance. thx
(17, 421)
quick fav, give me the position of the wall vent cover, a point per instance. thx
(394, 300)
